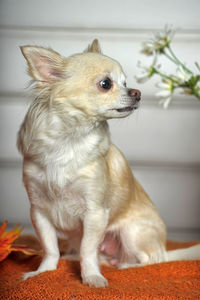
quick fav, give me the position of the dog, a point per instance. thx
(79, 184)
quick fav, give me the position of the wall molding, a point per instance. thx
(178, 101)
(137, 164)
(114, 34)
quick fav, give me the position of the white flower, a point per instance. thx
(145, 75)
(158, 42)
(147, 71)
(182, 75)
(165, 102)
(165, 94)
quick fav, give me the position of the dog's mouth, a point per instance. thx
(125, 109)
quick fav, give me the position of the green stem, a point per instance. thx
(162, 75)
(197, 65)
(196, 93)
(165, 76)
(170, 58)
(193, 90)
(177, 60)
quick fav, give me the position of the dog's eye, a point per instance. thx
(106, 83)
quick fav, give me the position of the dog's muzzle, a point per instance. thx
(129, 101)
(135, 94)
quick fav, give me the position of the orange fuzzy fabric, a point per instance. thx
(173, 280)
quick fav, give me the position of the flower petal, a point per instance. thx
(26, 250)
(6, 239)
(141, 78)
(167, 102)
(163, 94)
(2, 228)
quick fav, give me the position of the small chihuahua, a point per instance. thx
(78, 183)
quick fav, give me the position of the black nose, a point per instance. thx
(136, 94)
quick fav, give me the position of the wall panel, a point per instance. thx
(163, 147)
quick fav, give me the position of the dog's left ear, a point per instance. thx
(94, 47)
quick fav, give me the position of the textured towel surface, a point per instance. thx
(174, 280)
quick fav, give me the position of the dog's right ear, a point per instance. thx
(44, 65)
(94, 47)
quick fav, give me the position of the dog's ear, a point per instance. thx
(94, 47)
(43, 64)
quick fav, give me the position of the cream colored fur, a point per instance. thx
(78, 183)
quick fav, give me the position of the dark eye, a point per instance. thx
(106, 83)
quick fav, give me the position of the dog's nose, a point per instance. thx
(136, 94)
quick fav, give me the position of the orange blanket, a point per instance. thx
(174, 280)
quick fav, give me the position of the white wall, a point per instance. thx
(162, 146)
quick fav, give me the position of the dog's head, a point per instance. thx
(89, 83)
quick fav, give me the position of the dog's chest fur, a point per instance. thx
(53, 177)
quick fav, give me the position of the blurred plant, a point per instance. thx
(184, 78)
(7, 239)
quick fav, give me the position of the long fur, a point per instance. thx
(78, 183)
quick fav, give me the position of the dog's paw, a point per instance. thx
(30, 274)
(95, 280)
(43, 268)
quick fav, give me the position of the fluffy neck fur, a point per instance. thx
(50, 134)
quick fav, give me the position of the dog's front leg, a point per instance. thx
(95, 222)
(48, 239)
